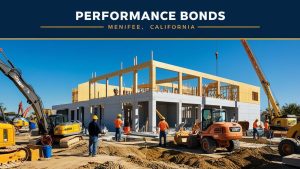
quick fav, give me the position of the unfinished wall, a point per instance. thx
(169, 111)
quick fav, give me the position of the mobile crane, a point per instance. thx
(52, 129)
(278, 121)
(291, 144)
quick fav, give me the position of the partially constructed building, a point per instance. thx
(179, 99)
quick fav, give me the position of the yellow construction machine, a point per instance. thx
(10, 153)
(65, 133)
(291, 144)
(278, 121)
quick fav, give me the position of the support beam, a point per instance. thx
(135, 81)
(89, 90)
(95, 87)
(199, 88)
(179, 113)
(120, 84)
(106, 87)
(179, 82)
(218, 88)
(152, 76)
(152, 115)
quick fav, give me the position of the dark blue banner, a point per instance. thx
(163, 19)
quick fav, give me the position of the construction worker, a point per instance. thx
(94, 130)
(163, 126)
(255, 127)
(267, 131)
(118, 125)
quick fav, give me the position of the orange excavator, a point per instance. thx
(213, 132)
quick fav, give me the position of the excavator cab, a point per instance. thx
(210, 116)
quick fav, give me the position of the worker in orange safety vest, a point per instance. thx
(255, 127)
(268, 133)
(118, 124)
(163, 127)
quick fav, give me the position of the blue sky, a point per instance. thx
(53, 68)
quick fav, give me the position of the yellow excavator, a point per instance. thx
(51, 129)
(291, 144)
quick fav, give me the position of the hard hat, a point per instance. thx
(95, 117)
(119, 115)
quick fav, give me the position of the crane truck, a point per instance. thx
(52, 128)
(291, 144)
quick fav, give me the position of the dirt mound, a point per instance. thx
(154, 157)
(106, 165)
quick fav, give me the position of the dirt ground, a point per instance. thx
(131, 155)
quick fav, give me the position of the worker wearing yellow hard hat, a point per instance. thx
(118, 124)
(94, 130)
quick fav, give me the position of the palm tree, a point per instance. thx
(291, 108)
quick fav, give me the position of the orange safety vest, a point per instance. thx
(118, 123)
(266, 125)
(255, 125)
(163, 125)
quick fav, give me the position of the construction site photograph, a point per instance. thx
(158, 104)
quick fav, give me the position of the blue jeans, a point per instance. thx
(162, 134)
(118, 134)
(255, 131)
(93, 145)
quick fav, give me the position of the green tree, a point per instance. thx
(291, 108)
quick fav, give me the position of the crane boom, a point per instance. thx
(32, 98)
(265, 84)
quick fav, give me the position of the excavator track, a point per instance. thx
(70, 141)
(13, 156)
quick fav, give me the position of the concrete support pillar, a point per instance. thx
(69, 115)
(120, 85)
(135, 81)
(218, 88)
(152, 76)
(152, 115)
(199, 88)
(179, 113)
(135, 117)
(75, 114)
(106, 87)
(199, 112)
(179, 82)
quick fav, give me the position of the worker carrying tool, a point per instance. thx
(255, 127)
(94, 130)
(163, 126)
(118, 125)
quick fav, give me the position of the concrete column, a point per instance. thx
(199, 111)
(179, 82)
(75, 114)
(120, 85)
(87, 115)
(179, 113)
(69, 115)
(152, 76)
(106, 87)
(199, 88)
(152, 115)
(135, 117)
(135, 81)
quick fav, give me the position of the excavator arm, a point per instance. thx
(265, 84)
(32, 98)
